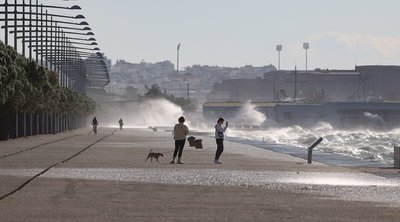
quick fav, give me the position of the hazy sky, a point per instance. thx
(341, 33)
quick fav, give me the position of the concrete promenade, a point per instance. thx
(78, 176)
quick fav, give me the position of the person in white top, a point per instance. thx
(219, 137)
(180, 132)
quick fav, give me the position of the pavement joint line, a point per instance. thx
(37, 146)
(50, 167)
(190, 150)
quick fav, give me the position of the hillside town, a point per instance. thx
(195, 82)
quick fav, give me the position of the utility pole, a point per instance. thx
(295, 84)
(188, 93)
(177, 57)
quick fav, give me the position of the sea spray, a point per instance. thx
(375, 121)
(362, 144)
(152, 112)
(157, 112)
(371, 142)
(248, 116)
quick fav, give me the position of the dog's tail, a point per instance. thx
(150, 150)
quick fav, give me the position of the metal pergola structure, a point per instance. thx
(57, 42)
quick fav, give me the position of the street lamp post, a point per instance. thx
(47, 38)
(30, 27)
(23, 25)
(6, 21)
(54, 45)
(44, 47)
(75, 72)
(44, 35)
(15, 25)
(71, 63)
(23, 18)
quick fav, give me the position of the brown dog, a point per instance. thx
(153, 155)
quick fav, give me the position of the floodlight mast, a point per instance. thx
(279, 49)
(306, 46)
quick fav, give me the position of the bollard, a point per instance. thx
(310, 149)
(397, 157)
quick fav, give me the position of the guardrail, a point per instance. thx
(310, 149)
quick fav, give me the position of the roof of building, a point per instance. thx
(238, 104)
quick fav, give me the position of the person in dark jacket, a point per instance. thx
(121, 123)
(180, 132)
(219, 137)
(95, 123)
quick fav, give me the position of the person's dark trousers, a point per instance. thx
(179, 144)
(220, 148)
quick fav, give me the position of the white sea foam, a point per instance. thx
(249, 116)
(362, 144)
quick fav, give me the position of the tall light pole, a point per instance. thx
(306, 46)
(279, 49)
(6, 21)
(295, 84)
(177, 57)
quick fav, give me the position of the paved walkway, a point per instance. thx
(78, 176)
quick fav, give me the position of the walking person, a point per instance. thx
(121, 123)
(95, 123)
(180, 132)
(219, 137)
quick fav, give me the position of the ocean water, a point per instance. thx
(373, 143)
(361, 143)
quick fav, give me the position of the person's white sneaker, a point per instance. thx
(217, 162)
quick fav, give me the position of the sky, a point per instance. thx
(234, 33)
